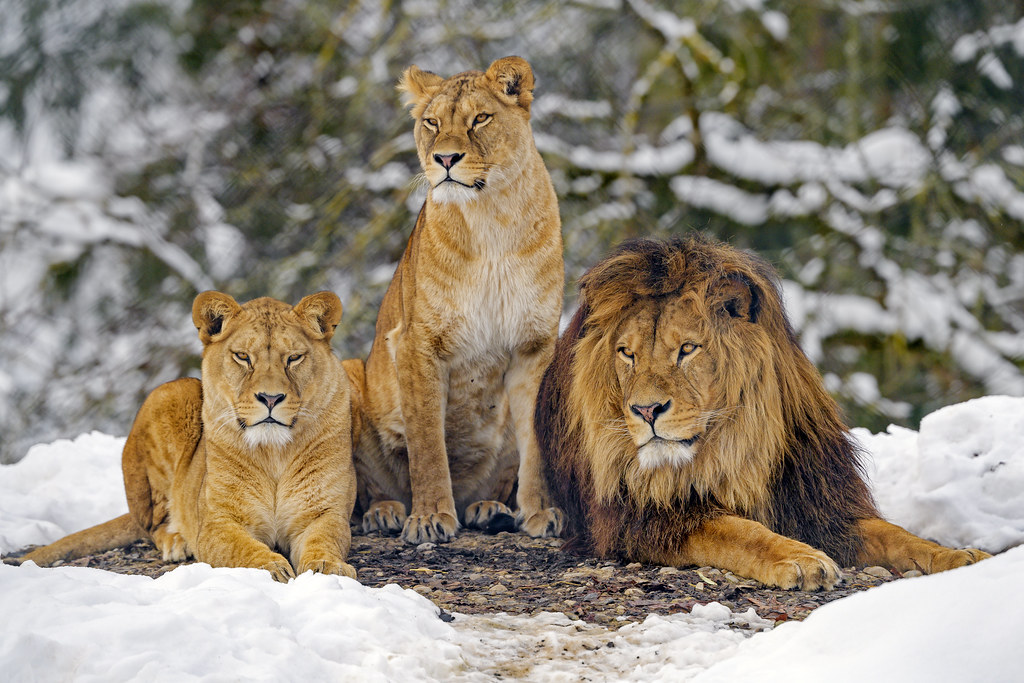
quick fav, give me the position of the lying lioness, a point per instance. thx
(252, 467)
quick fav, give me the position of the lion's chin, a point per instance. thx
(662, 453)
(276, 435)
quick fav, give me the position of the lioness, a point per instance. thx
(682, 424)
(253, 461)
(469, 321)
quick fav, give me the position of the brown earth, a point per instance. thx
(478, 573)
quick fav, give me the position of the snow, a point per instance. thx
(959, 479)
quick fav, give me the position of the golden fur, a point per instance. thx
(682, 424)
(469, 321)
(251, 466)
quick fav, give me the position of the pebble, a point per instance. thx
(476, 599)
(633, 592)
(477, 577)
(422, 547)
(497, 589)
(878, 572)
(422, 590)
(634, 565)
(912, 573)
(668, 570)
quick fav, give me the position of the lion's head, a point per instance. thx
(472, 130)
(682, 369)
(268, 368)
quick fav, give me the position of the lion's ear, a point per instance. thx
(322, 312)
(513, 81)
(210, 311)
(418, 88)
(735, 296)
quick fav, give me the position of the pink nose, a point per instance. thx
(650, 413)
(269, 400)
(448, 160)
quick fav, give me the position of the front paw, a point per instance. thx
(279, 568)
(327, 566)
(809, 570)
(435, 527)
(479, 514)
(951, 558)
(542, 523)
(386, 516)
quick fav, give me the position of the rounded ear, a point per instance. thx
(418, 88)
(209, 312)
(322, 312)
(512, 80)
(736, 296)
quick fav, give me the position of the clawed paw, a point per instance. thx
(479, 514)
(436, 527)
(386, 516)
(328, 566)
(544, 523)
(951, 558)
(280, 569)
(807, 571)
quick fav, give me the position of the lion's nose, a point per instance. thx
(650, 413)
(269, 400)
(448, 160)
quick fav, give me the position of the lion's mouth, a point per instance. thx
(478, 184)
(268, 420)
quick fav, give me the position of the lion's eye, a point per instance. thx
(430, 124)
(295, 358)
(626, 354)
(481, 119)
(686, 349)
(242, 357)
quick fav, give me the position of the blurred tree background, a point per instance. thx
(149, 149)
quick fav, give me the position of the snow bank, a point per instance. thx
(960, 480)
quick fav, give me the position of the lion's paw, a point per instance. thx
(951, 558)
(543, 523)
(807, 571)
(436, 527)
(386, 516)
(327, 566)
(170, 544)
(479, 514)
(279, 568)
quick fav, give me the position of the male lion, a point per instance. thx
(254, 459)
(469, 321)
(682, 424)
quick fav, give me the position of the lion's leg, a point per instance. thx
(226, 543)
(893, 546)
(536, 514)
(751, 549)
(323, 546)
(421, 381)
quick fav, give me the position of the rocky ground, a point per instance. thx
(478, 573)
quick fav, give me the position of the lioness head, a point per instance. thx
(264, 362)
(472, 130)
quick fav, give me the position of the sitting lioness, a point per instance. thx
(252, 466)
(469, 321)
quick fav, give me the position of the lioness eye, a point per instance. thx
(480, 118)
(242, 357)
(294, 358)
(430, 123)
(626, 354)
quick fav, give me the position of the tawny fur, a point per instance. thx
(469, 321)
(681, 423)
(204, 479)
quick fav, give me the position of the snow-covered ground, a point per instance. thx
(960, 479)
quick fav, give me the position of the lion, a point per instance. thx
(681, 424)
(469, 321)
(252, 465)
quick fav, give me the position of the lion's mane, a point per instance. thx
(777, 453)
